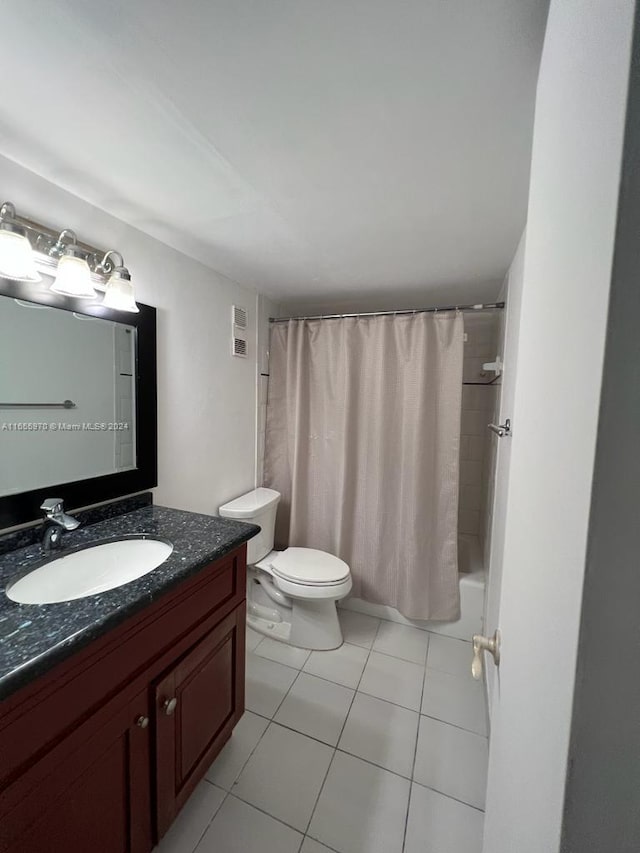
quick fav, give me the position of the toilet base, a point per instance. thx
(314, 625)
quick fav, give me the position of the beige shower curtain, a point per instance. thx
(363, 435)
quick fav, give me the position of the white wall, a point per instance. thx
(206, 398)
(580, 112)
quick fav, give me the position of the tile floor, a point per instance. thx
(377, 747)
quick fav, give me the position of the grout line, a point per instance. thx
(343, 609)
(337, 749)
(323, 843)
(247, 760)
(286, 694)
(213, 817)
(320, 790)
(273, 660)
(375, 764)
(285, 665)
(448, 796)
(355, 691)
(389, 702)
(262, 811)
(455, 726)
(415, 749)
(397, 657)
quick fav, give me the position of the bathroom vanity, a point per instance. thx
(113, 704)
(112, 707)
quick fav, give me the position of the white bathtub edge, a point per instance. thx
(472, 585)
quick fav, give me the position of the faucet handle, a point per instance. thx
(52, 505)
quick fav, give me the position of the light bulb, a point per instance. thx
(73, 276)
(119, 293)
(16, 257)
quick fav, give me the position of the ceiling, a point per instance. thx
(320, 151)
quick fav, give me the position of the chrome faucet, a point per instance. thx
(56, 521)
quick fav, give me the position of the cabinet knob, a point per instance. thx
(169, 706)
(142, 722)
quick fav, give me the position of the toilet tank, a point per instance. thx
(256, 507)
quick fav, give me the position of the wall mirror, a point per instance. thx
(77, 401)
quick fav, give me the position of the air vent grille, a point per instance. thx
(239, 317)
(239, 347)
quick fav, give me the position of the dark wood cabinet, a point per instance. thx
(102, 752)
(90, 792)
(196, 705)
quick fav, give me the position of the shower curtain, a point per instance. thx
(363, 441)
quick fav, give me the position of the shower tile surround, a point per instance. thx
(357, 772)
(478, 409)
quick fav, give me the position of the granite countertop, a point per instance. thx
(35, 637)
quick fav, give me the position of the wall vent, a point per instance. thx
(239, 317)
(239, 347)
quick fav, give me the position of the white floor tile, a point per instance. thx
(253, 638)
(394, 680)
(226, 768)
(190, 825)
(357, 628)
(267, 683)
(402, 642)
(449, 655)
(362, 808)
(311, 846)
(284, 775)
(316, 707)
(239, 828)
(282, 653)
(452, 761)
(343, 666)
(382, 733)
(438, 824)
(455, 699)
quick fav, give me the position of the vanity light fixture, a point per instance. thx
(73, 276)
(119, 293)
(16, 258)
(27, 246)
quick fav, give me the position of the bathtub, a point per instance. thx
(472, 582)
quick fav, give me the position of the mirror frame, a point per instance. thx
(22, 507)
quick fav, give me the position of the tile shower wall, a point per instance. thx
(478, 409)
(490, 457)
(265, 308)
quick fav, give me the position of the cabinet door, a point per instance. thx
(91, 792)
(198, 702)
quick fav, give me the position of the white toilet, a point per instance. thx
(291, 594)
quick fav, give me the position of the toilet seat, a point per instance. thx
(309, 567)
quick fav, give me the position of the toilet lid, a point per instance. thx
(309, 566)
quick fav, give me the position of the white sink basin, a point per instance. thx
(90, 571)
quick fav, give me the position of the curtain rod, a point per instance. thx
(481, 306)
